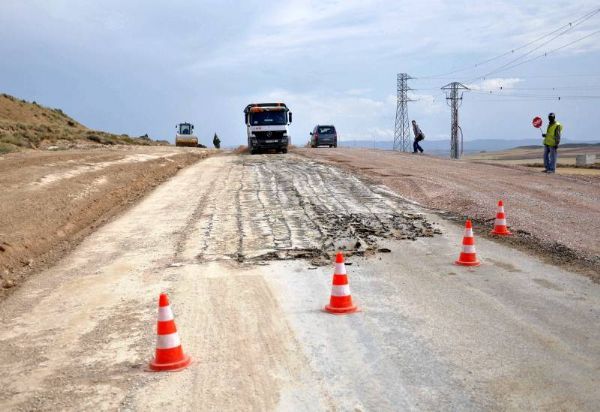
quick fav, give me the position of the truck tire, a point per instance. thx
(284, 150)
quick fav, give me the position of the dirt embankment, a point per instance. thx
(51, 200)
(555, 216)
(31, 125)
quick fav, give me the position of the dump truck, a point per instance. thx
(185, 135)
(267, 127)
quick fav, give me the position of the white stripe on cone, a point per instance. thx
(500, 209)
(468, 232)
(340, 290)
(168, 341)
(340, 269)
(165, 313)
(468, 248)
(500, 222)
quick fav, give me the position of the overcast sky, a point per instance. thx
(135, 67)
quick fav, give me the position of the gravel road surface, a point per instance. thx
(515, 333)
(553, 215)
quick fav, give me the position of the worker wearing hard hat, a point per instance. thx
(551, 142)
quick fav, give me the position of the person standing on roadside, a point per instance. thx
(419, 135)
(551, 142)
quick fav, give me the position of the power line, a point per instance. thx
(516, 96)
(585, 87)
(540, 56)
(567, 26)
(510, 64)
(519, 76)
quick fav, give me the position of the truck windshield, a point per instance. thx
(268, 118)
(185, 129)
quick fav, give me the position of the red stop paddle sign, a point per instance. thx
(537, 122)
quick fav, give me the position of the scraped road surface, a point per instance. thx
(239, 242)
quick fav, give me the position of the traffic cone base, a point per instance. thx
(173, 366)
(464, 263)
(504, 232)
(341, 311)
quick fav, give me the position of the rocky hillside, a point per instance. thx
(30, 125)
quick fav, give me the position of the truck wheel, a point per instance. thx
(284, 150)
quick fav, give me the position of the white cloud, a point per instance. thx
(383, 30)
(355, 116)
(427, 104)
(496, 84)
(358, 92)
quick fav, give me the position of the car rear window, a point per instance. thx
(326, 129)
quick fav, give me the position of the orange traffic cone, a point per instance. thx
(169, 354)
(341, 300)
(468, 256)
(500, 222)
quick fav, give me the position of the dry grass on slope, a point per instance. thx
(30, 125)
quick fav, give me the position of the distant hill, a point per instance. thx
(442, 147)
(564, 145)
(30, 125)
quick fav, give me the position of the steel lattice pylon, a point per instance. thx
(402, 129)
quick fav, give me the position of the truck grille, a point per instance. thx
(269, 135)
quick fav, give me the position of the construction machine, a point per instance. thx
(185, 135)
(267, 126)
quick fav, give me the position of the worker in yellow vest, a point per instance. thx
(551, 142)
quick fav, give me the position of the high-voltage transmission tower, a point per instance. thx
(402, 129)
(454, 97)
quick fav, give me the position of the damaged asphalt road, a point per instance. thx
(286, 207)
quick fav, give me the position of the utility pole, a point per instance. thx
(402, 129)
(454, 100)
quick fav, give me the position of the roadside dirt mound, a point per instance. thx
(30, 125)
(51, 200)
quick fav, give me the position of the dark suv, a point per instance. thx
(323, 136)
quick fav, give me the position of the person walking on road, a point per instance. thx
(216, 142)
(551, 142)
(419, 135)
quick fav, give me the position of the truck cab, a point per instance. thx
(267, 127)
(185, 135)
